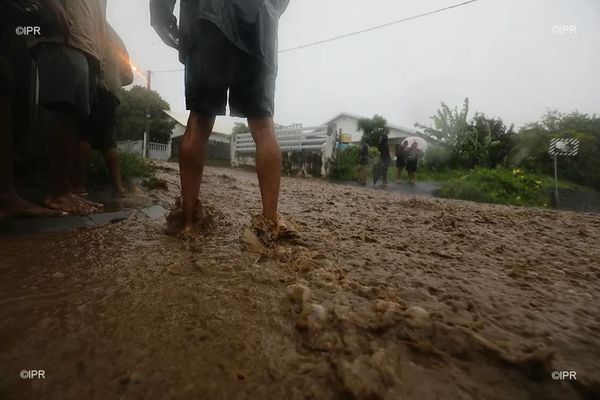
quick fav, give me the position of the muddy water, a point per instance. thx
(422, 299)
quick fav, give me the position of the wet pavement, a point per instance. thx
(386, 296)
(419, 188)
(115, 210)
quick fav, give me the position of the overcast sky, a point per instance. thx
(505, 55)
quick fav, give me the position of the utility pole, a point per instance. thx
(147, 131)
(557, 204)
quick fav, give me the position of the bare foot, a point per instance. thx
(188, 232)
(18, 207)
(71, 204)
(284, 230)
(79, 190)
(270, 231)
(96, 206)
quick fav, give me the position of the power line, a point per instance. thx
(373, 28)
(355, 33)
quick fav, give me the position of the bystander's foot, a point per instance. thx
(15, 206)
(72, 204)
(79, 190)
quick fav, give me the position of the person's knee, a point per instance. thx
(199, 123)
(262, 128)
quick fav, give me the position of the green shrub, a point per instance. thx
(503, 186)
(530, 150)
(346, 167)
(132, 166)
(437, 158)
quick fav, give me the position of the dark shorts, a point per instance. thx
(68, 81)
(214, 66)
(385, 161)
(400, 163)
(103, 121)
(411, 165)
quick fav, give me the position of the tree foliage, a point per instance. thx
(373, 129)
(464, 144)
(131, 115)
(530, 150)
(240, 128)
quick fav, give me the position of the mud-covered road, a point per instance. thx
(385, 297)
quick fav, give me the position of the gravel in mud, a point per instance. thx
(383, 297)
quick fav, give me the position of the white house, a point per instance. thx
(219, 142)
(348, 124)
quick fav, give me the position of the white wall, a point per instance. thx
(349, 126)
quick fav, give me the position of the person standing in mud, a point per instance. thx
(103, 118)
(412, 161)
(68, 70)
(363, 162)
(226, 46)
(401, 150)
(384, 157)
(50, 17)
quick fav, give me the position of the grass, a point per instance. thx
(503, 186)
(428, 175)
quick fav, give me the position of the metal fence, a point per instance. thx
(290, 138)
(316, 140)
(155, 151)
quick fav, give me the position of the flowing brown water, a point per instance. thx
(125, 311)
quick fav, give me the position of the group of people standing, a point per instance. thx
(406, 158)
(228, 47)
(81, 62)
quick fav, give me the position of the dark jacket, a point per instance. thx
(251, 25)
(363, 158)
(384, 149)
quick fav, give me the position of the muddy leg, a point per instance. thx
(268, 165)
(191, 164)
(65, 132)
(10, 202)
(63, 152)
(111, 157)
(385, 174)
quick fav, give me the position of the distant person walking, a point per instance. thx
(385, 159)
(228, 47)
(401, 153)
(363, 162)
(412, 160)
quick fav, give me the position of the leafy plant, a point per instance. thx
(481, 142)
(346, 168)
(500, 185)
(373, 129)
(530, 149)
(132, 166)
(131, 115)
